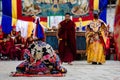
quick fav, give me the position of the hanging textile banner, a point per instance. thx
(117, 29)
(7, 16)
(26, 9)
(103, 9)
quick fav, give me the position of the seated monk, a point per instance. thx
(13, 34)
(1, 40)
(18, 39)
(0, 48)
(4, 47)
(1, 35)
(11, 51)
(18, 45)
(28, 42)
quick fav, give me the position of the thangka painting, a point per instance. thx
(55, 7)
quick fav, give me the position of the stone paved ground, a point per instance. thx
(80, 70)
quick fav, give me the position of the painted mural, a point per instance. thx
(55, 7)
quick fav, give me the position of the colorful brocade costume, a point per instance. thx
(95, 40)
(40, 58)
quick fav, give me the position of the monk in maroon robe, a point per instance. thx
(10, 48)
(7, 47)
(1, 35)
(67, 41)
(19, 39)
(1, 40)
(19, 44)
(3, 48)
(28, 42)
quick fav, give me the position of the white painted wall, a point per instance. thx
(110, 18)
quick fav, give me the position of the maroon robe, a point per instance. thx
(0, 47)
(3, 49)
(7, 47)
(10, 49)
(28, 42)
(1, 40)
(19, 40)
(18, 46)
(67, 46)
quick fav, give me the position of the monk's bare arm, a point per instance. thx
(59, 26)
